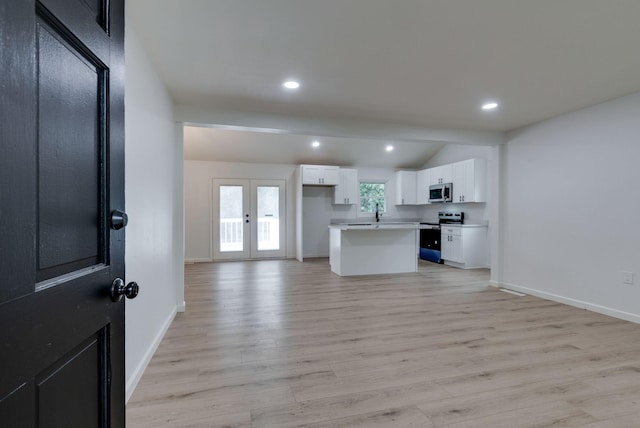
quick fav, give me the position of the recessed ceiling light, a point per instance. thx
(291, 84)
(315, 144)
(490, 106)
(389, 148)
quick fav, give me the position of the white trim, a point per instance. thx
(182, 307)
(627, 316)
(515, 293)
(136, 375)
(198, 260)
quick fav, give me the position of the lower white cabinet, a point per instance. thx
(347, 191)
(464, 246)
(451, 244)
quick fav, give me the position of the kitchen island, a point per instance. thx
(373, 248)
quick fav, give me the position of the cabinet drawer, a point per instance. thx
(456, 231)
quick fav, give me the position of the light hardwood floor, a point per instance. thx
(287, 344)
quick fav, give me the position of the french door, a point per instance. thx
(248, 219)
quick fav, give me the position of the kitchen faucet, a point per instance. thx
(377, 212)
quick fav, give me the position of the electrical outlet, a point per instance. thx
(628, 277)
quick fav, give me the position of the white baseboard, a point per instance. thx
(627, 316)
(201, 260)
(182, 307)
(139, 370)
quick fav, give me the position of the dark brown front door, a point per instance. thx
(61, 177)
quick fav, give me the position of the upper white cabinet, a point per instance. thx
(422, 187)
(320, 175)
(406, 187)
(469, 181)
(347, 192)
(441, 174)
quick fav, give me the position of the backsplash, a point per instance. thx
(476, 213)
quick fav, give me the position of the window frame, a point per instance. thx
(384, 209)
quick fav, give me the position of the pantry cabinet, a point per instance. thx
(347, 192)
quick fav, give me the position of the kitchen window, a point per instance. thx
(372, 193)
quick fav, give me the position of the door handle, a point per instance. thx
(119, 219)
(118, 289)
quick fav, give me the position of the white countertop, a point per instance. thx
(391, 225)
(377, 226)
(442, 226)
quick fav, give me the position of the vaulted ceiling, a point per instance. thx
(420, 63)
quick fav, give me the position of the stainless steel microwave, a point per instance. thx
(440, 193)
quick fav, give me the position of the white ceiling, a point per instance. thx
(217, 144)
(427, 63)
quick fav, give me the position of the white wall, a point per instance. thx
(153, 187)
(198, 179)
(572, 208)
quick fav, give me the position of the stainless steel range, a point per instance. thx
(430, 236)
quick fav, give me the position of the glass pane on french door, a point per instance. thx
(268, 207)
(231, 224)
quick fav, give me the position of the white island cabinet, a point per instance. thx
(373, 249)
